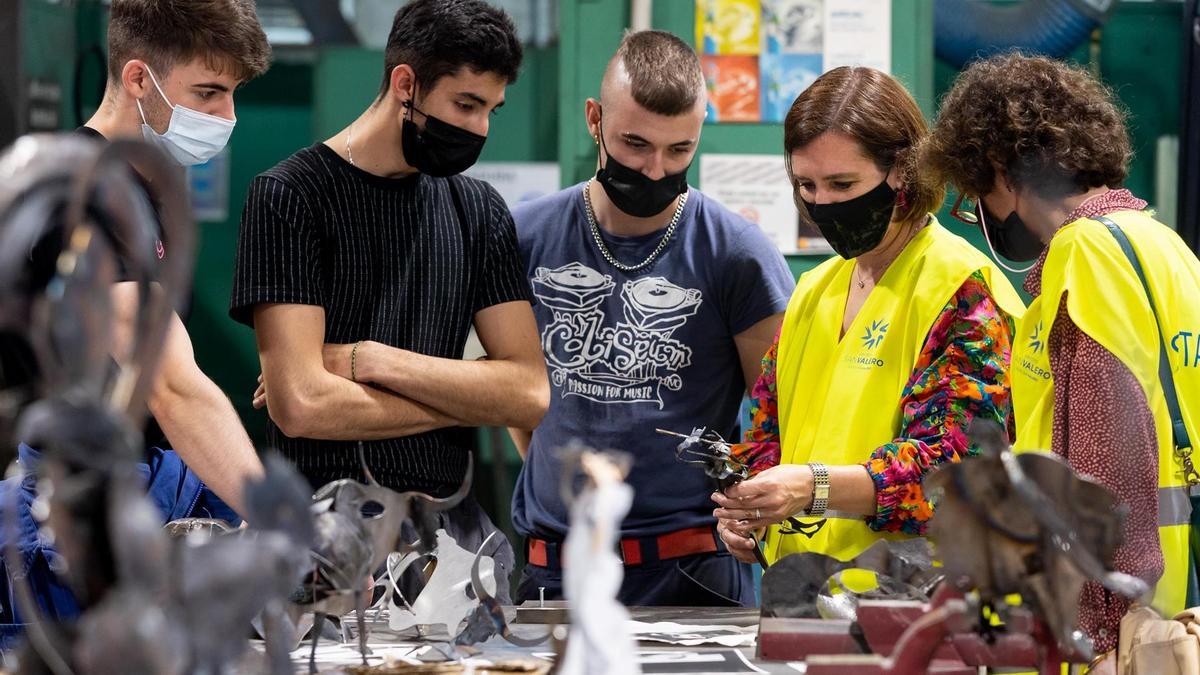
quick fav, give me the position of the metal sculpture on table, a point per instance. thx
(192, 598)
(807, 585)
(342, 552)
(359, 528)
(150, 603)
(222, 583)
(1027, 524)
(82, 204)
(488, 619)
(1004, 523)
(444, 601)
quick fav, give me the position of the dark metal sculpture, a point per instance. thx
(802, 585)
(359, 526)
(1004, 524)
(342, 552)
(488, 619)
(150, 603)
(1027, 524)
(222, 583)
(185, 604)
(82, 203)
(708, 450)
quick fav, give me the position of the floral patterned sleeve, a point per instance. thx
(961, 374)
(760, 450)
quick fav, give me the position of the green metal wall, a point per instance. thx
(275, 118)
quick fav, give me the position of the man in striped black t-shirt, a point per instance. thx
(364, 261)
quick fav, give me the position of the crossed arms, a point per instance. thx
(309, 393)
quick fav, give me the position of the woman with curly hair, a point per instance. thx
(887, 352)
(1041, 149)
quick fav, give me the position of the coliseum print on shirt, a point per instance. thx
(629, 362)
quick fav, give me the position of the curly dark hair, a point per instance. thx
(1051, 126)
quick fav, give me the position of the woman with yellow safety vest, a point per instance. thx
(887, 351)
(1043, 149)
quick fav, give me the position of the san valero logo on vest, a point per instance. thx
(871, 339)
(1038, 370)
(1037, 344)
(1187, 344)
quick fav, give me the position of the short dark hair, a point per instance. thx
(874, 109)
(1051, 126)
(438, 37)
(165, 33)
(664, 72)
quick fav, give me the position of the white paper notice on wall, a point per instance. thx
(858, 33)
(518, 181)
(755, 187)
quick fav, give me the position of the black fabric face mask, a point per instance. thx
(440, 149)
(857, 225)
(1010, 237)
(635, 193)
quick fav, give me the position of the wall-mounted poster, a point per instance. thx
(787, 44)
(756, 187)
(726, 27)
(793, 26)
(518, 181)
(733, 88)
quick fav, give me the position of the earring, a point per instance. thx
(902, 200)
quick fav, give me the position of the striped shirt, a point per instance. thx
(406, 262)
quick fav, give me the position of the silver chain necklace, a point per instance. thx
(662, 243)
(349, 152)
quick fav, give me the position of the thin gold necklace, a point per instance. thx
(858, 268)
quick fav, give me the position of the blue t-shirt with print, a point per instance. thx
(631, 352)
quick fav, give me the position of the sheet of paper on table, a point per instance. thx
(682, 661)
(693, 635)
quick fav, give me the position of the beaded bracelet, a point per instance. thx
(353, 361)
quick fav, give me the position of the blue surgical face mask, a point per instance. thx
(192, 137)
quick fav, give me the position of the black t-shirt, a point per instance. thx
(406, 262)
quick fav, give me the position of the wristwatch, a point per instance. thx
(820, 495)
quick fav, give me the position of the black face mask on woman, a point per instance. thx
(440, 149)
(856, 225)
(633, 191)
(1009, 237)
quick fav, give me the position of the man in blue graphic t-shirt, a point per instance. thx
(655, 305)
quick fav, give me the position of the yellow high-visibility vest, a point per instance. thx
(839, 397)
(1106, 300)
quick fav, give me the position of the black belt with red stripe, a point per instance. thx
(637, 550)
